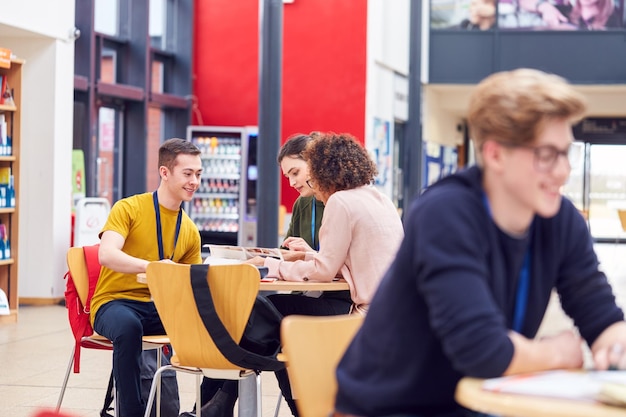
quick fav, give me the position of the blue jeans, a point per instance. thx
(125, 322)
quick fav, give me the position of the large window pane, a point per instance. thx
(109, 168)
(575, 185)
(607, 190)
(108, 65)
(106, 15)
(155, 137)
(158, 23)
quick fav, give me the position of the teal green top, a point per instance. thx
(301, 219)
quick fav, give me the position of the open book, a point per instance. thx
(242, 253)
(604, 386)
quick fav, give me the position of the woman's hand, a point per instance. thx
(293, 255)
(256, 261)
(297, 244)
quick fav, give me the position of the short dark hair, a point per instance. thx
(338, 162)
(171, 148)
(294, 146)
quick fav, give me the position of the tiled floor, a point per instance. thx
(35, 354)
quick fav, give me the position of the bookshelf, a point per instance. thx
(10, 111)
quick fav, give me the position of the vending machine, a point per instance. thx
(224, 207)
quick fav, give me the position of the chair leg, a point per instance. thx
(250, 396)
(159, 353)
(199, 376)
(155, 382)
(67, 377)
(116, 400)
(259, 410)
(280, 399)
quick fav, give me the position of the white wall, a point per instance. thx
(387, 57)
(44, 200)
(47, 18)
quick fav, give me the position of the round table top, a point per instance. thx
(470, 394)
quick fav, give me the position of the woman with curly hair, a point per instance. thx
(356, 214)
(360, 233)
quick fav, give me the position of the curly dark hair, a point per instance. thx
(338, 162)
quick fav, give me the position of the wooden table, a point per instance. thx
(470, 394)
(339, 285)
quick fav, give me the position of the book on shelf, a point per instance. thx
(242, 253)
(7, 93)
(3, 83)
(603, 386)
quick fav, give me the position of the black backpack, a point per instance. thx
(170, 402)
(261, 339)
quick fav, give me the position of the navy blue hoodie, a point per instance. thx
(445, 306)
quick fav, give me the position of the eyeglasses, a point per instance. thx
(310, 183)
(545, 156)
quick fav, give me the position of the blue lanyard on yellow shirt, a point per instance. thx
(523, 284)
(316, 246)
(155, 200)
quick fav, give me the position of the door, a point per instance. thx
(108, 165)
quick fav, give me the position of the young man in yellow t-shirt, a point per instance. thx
(141, 229)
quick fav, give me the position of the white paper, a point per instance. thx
(583, 385)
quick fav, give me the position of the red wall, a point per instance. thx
(324, 61)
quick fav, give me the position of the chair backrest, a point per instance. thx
(82, 277)
(313, 346)
(78, 270)
(234, 289)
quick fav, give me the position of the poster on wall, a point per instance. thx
(561, 14)
(581, 15)
(381, 152)
(463, 14)
(78, 176)
(440, 161)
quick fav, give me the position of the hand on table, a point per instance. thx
(561, 351)
(568, 346)
(293, 255)
(256, 261)
(167, 261)
(609, 349)
(297, 244)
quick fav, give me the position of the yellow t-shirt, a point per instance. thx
(134, 218)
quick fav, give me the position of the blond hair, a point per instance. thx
(513, 106)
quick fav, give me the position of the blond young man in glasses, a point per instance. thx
(483, 250)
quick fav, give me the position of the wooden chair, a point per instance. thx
(312, 347)
(78, 273)
(234, 289)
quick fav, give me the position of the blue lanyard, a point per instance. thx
(523, 284)
(313, 204)
(155, 199)
(521, 297)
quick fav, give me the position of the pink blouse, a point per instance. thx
(360, 234)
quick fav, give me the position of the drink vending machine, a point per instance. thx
(224, 207)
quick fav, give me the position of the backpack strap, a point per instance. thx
(93, 271)
(84, 329)
(227, 346)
